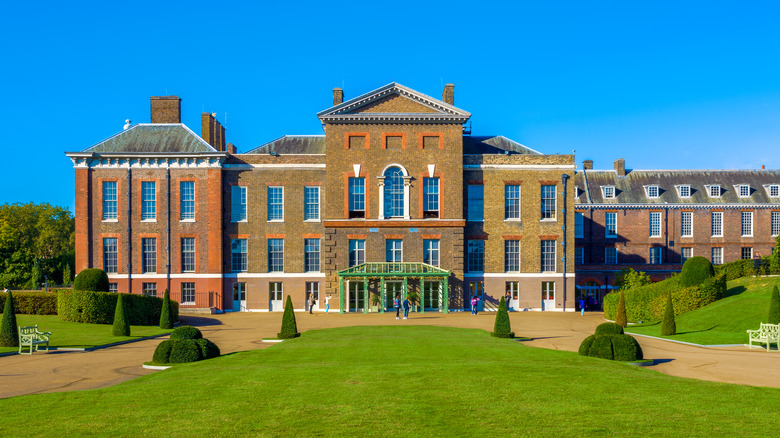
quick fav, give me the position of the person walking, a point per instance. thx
(406, 308)
(474, 304)
(397, 305)
(311, 302)
(582, 306)
(507, 298)
(327, 303)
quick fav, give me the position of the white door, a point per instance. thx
(548, 295)
(513, 287)
(275, 296)
(313, 288)
(239, 297)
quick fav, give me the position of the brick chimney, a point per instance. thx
(448, 95)
(338, 96)
(587, 165)
(620, 166)
(231, 148)
(166, 109)
(212, 131)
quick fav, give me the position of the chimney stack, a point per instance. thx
(448, 95)
(338, 96)
(231, 149)
(620, 166)
(587, 165)
(166, 109)
(212, 131)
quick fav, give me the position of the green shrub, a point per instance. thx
(33, 303)
(638, 300)
(289, 326)
(91, 279)
(668, 326)
(186, 332)
(9, 331)
(609, 328)
(630, 279)
(620, 317)
(737, 269)
(774, 307)
(208, 349)
(695, 270)
(690, 298)
(602, 347)
(165, 312)
(98, 307)
(121, 327)
(626, 348)
(184, 351)
(774, 260)
(586, 344)
(163, 352)
(502, 328)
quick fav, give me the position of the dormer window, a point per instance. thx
(714, 191)
(773, 190)
(684, 191)
(743, 190)
(652, 191)
(608, 191)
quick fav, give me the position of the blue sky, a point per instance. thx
(665, 85)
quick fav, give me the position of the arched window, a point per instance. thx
(394, 192)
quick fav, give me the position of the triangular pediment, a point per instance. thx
(394, 103)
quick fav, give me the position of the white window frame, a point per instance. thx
(608, 192)
(307, 204)
(714, 191)
(394, 250)
(610, 229)
(431, 254)
(746, 250)
(193, 252)
(272, 254)
(359, 253)
(656, 255)
(716, 226)
(512, 210)
(238, 203)
(686, 224)
(312, 259)
(655, 224)
(475, 259)
(188, 293)
(774, 223)
(511, 256)
(356, 202)
(746, 223)
(148, 205)
(111, 255)
(547, 258)
(716, 255)
(431, 198)
(272, 212)
(148, 255)
(548, 214)
(743, 190)
(149, 289)
(241, 256)
(610, 256)
(186, 205)
(110, 201)
(683, 250)
(652, 191)
(683, 187)
(773, 190)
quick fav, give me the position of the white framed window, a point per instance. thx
(476, 202)
(238, 255)
(511, 202)
(610, 256)
(747, 253)
(187, 200)
(716, 255)
(716, 223)
(431, 252)
(237, 204)
(512, 255)
(579, 225)
(149, 289)
(394, 250)
(579, 255)
(775, 223)
(747, 223)
(652, 191)
(275, 255)
(311, 203)
(109, 201)
(608, 192)
(188, 293)
(187, 254)
(686, 224)
(684, 190)
(773, 190)
(430, 198)
(113, 287)
(548, 202)
(357, 198)
(610, 225)
(743, 190)
(655, 224)
(685, 254)
(475, 259)
(655, 255)
(275, 203)
(548, 256)
(149, 255)
(311, 255)
(148, 201)
(713, 190)
(110, 255)
(394, 192)
(357, 252)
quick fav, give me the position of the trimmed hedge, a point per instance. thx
(99, 307)
(208, 349)
(638, 299)
(33, 303)
(502, 328)
(185, 350)
(612, 347)
(289, 326)
(186, 332)
(690, 298)
(737, 269)
(602, 347)
(668, 326)
(609, 328)
(774, 307)
(585, 345)
(162, 352)
(626, 348)
(165, 312)
(91, 279)
(121, 327)
(9, 331)
(696, 270)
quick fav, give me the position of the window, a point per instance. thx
(187, 199)
(686, 224)
(187, 254)
(744, 190)
(237, 203)
(610, 256)
(113, 287)
(717, 255)
(775, 223)
(610, 225)
(357, 252)
(512, 255)
(579, 225)
(430, 198)
(431, 252)
(394, 193)
(652, 191)
(110, 255)
(774, 191)
(579, 255)
(275, 203)
(714, 191)
(609, 192)
(716, 219)
(476, 202)
(357, 198)
(275, 255)
(655, 255)
(148, 200)
(684, 191)
(149, 255)
(394, 250)
(747, 253)
(188, 293)
(238, 259)
(149, 289)
(747, 223)
(311, 255)
(655, 224)
(311, 203)
(109, 201)
(548, 255)
(548, 202)
(511, 202)
(475, 260)
(685, 254)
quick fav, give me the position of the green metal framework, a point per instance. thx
(383, 271)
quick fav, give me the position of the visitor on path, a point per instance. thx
(5, 290)
(311, 303)
(397, 305)
(474, 302)
(327, 303)
(406, 308)
(582, 306)
(507, 298)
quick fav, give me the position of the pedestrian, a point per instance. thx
(582, 306)
(311, 302)
(474, 304)
(327, 303)
(507, 298)
(5, 290)
(406, 308)
(397, 305)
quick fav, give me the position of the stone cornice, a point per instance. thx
(147, 161)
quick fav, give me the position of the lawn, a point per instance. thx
(724, 321)
(408, 381)
(74, 334)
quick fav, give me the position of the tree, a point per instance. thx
(774, 307)
(35, 280)
(502, 328)
(629, 279)
(620, 315)
(165, 312)
(668, 326)
(67, 276)
(9, 332)
(121, 324)
(289, 326)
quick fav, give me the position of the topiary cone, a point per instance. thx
(121, 325)
(289, 326)
(9, 333)
(620, 314)
(502, 327)
(668, 326)
(165, 312)
(774, 307)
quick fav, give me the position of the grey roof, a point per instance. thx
(153, 138)
(631, 188)
(293, 144)
(494, 144)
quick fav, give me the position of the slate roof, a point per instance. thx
(153, 138)
(494, 144)
(631, 188)
(293, 144)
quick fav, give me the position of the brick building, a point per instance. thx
(653, 220)
(395, 197)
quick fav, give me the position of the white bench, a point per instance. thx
(31, 337)
(767, 333)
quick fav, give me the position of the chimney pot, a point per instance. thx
(620, 166)
(448, 95)
(338, 96)
(165, 109)
(212, 131)
(587, 165)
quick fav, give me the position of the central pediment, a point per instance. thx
(394, 103)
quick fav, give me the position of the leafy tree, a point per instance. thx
(774, 307)
(289, 326)
(668, 326)
(629, 279)
(165, 312)
(67, 275)
(502, 328)
(620, 316)
(92, 279)
(9, 333)
(121, 324)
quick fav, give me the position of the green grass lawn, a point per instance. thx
(408, 381)
(724, 321)
(74, 334)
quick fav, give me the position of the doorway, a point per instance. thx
(313, 289)
(431, 295)
(548, 295)
(275, 296)
(356, 298)
(513, 290)
(239, 297)
(391, 289)
(476, 288)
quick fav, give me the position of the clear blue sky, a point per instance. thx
(666, 85)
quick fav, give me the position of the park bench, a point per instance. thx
(31, 337)
(767, 333)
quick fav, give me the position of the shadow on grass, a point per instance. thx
(660, 361)
(735, 291)
(698, 331)
(536, 339)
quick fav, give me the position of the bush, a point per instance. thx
(98, 307)
(289, 326)
(91, 279)
(121, 326)
(630, 279)
(502, 328)
(668, 327)
(695, 270)
(691, 298)
(774, 307)
(626, 348)
(737, 269)
(163, 352)
(609, 328)
(186, 332)
(184, 351)
(33, 303)
(208, 349)
(620, 317)
(586, 344)
(602, 347)
(9, 331)
(774, 260)
(165, 312)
